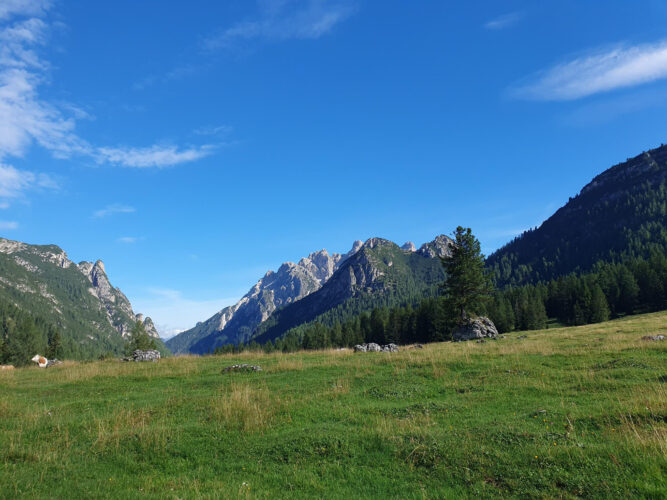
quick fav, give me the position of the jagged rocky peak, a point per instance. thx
(441, 246)
(377, 242)
(408, 246)
(97, 275)
(148, 325)
(356, 246)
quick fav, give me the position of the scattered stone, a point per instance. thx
(148, 355)
(481, 341)
(373, 347)
(52, 362)
(475, 328)
(654, 338)
(242, 368)
(522, 337)
(419, 346)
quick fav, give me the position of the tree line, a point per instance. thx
(610, 290)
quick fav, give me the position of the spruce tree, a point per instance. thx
(139, 339)
(467, 286)
(599, 309)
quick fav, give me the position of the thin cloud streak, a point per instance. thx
(152, 156)
(127, 239)
(6, 225)
(115, 208)
(602, 71)
(504, 21)
(279, 20)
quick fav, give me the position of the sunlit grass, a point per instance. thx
(561, 413)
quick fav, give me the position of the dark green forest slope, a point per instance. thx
(620, 214)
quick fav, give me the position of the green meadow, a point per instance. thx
(559, 413)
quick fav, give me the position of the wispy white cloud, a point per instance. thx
(27, 118)
(152, 156)
(281, 20)
(504, 21)
(6, 225)
(14, 183)
(10, 8)
(597, 72)
(127, 239)
(115, 208)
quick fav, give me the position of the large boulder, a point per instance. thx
(475, 328)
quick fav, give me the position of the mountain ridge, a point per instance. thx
(79, 299)
(290, 282)
(621, 212)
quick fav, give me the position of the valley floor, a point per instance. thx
(564, 412)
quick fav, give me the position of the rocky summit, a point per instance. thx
(377, 269)
(290, 283)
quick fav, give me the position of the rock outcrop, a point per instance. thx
(147, 355)
(242, 368)
(373, 347)
(475, 328)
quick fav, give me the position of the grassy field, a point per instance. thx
(560, 413)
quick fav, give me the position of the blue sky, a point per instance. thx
(194, 147)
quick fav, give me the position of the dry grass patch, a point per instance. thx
(242, 407)
(288, 364)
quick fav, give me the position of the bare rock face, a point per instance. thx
(290, 283)
(408, 246)
(475, 328)
(441, 246)
(116, 305)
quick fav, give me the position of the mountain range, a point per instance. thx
(327, 280)
(78, 299)
(620, 214)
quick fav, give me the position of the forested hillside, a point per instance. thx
(380, 274)
(620, 214)
(40, 287)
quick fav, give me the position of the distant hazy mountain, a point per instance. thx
(621, 213)
(236, 323)
(93, 316)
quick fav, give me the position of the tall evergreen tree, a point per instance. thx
(139, 339)
(467, 286)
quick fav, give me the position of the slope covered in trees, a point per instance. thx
(380, 274)
(620, 214)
